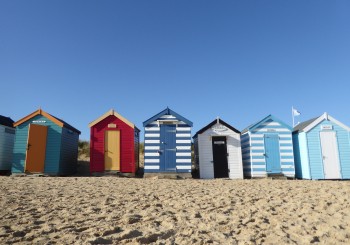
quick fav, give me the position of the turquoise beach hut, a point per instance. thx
(45, 144)
(322, 149)
(267, 149)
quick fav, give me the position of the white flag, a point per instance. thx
(296, 112)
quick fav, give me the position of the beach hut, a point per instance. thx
(7, 138)
(218, 153)
(45, 144)
(114, 144)
(322, 149)
(168, 144)
(267, 149)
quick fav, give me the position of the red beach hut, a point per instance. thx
(114, 144)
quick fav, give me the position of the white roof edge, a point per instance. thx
(324, 116)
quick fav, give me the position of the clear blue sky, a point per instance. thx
(240, 60)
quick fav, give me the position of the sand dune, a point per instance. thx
(100, 210)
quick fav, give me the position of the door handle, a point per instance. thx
(28, 146)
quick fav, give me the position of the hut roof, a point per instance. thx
(112, 112)
(255, 125)
(216, 121)
(56, 120)
(310, 124)
(167, 111)
(6, 121)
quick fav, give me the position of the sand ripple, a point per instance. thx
(107, 210)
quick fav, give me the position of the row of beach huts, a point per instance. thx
(41, 143)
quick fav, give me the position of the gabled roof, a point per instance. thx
(216, 121)
(302, 125)
(6, 121)
(310, 124)
(167, 111)
(112, 112)
(56, 120)
(269, 117)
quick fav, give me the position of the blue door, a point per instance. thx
(168, 148)
(272, 153)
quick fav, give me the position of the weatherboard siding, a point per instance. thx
(7, 138)
(315, 152)
(301, 160)
(53, 145)
(253, 149)
(69, 152)
(128, 162)
(153, 146)
(205, 151)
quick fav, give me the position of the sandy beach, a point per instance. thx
(111, 210)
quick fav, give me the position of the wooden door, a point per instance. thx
(36, 148)
(330, 154)
(112, 150)
(220, 157)
(168, 148)
(272, 153)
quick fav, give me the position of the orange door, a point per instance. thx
(36, 148)
(112, 150)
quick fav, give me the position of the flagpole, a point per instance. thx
(293, 115)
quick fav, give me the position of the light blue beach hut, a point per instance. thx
(167, 143)
(267, 149)
(322, 149)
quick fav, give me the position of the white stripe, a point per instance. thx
(271, 124)
(286, 148)
(258, 160)
(152, 147)
(183, 167)
(257, 141)
(257, 154)
(152, 141)
(151, 167)
(152, 135)
(258, 148)
(183, 135)
(183, 129)
(286, 154)
(285, 141)
(183, 147)
(183, 141)
(258, 173)
(269, 130)
(151, 160)
(287, 160)
(183, 154)
(288, 166)
(183, 160)
(258, 135)
(167, 116)
(151, 154)
(152, 129)
(154, 123)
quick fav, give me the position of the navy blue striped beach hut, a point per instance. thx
(167, 143)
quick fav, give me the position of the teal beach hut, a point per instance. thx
(322, 149)
(45, 144)
(267, 149)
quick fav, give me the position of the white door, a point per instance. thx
(330, 155)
